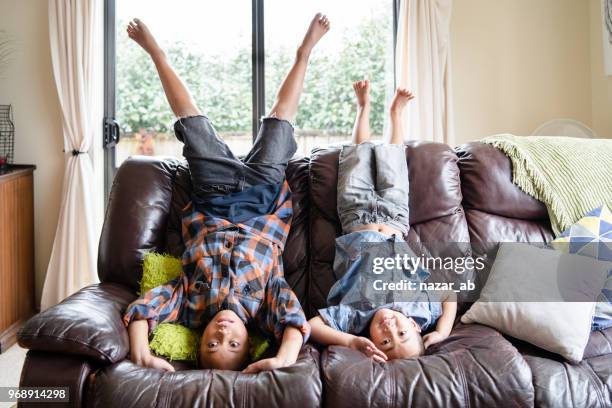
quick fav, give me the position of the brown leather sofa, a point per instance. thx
(463, 195)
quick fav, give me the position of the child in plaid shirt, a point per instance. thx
(234, 231)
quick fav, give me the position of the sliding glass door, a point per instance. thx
(233, 55)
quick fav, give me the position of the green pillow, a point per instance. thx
(158, 269)
(171, 340)
(175, 342)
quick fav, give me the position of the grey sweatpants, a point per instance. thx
(373, 186)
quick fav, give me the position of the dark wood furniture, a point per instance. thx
(16, 250)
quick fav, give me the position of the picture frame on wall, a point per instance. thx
(606, 8)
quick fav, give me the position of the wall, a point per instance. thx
(28, 85)
(601, 85)
(517, 64)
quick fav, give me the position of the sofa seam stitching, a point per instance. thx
(82, 383)
(466, 398)
(309, 305)
(595, 381)
(29, 336)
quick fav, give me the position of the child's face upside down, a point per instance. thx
(225, 342)
(396, 335)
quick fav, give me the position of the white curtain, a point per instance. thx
(423, 66)
(73, 258)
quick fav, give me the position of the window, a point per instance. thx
(218, 73)
(360, 44)
(218, 49)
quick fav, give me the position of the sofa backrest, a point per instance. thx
(136, 218)
(461, 195)
(495, 208)
(436, 213)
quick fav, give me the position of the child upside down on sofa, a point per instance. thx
(234, 231)
(373, 207)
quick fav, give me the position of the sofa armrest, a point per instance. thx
(88, 323)
(67, 371)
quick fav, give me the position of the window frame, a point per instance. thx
(111, 128)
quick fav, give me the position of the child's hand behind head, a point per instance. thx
(225, 343)
(433, 338)
(396, 335)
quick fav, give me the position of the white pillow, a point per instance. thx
(526, 295)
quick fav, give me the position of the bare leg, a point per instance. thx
(288, 96)
(400, 100)
(179, 98)
(361, 130)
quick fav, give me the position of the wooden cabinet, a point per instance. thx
(16, 250)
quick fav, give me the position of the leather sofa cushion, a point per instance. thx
(136, 217)
(296, 254)
(474, 366)
(495, 208)
(558, 383)
(600, 344)
(127, 385)
(486, 179)
(88, 323)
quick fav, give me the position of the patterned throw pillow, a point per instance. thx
(592, 236)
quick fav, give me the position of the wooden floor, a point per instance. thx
(11, 362)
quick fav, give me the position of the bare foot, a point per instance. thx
(317, 29)
(400, 100)
(139, 32)
(362, 92)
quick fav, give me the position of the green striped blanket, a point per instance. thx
(570, 176)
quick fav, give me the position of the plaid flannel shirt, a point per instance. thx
(229, 266)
